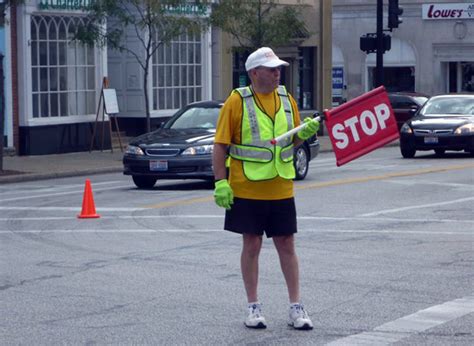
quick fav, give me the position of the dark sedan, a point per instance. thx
(405, 105)
(445, 122)
(182, 148)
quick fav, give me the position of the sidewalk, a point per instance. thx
(28, 168)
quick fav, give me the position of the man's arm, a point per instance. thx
(297, 141)
(218, 161)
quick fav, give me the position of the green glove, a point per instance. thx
(223, 195)
(310, 129)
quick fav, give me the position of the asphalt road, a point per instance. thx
(385, 247)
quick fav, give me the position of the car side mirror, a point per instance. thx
(412, 111)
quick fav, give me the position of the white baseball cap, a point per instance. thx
(264, 57)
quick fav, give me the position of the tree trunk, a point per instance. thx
(147, 102)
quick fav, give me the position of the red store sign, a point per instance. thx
(448, 11)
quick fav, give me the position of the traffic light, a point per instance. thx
(368, 43)
(393, 14)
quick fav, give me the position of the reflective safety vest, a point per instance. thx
(262, 160)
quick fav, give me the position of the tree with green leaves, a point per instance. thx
(258, 23)
(152, 22)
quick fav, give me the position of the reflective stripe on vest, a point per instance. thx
(286, 106)
(255, 155)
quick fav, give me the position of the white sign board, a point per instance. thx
(448, 11)
(110, 101)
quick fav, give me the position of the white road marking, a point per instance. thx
(431, 183)
(69, 209)
(205, 230)
(49, 188)
(122, 217)
(201, 216)
(418, 206)
(389, 219)
(89, 230)
(55, 194)
(410, 325)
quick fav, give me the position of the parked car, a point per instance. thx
(405, 105)
(182, 148)
(445, 122)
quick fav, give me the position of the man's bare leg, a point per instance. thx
(285, 246)
(249, 264)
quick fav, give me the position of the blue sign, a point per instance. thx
(337, 81)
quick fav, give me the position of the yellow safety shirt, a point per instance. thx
(229, 131)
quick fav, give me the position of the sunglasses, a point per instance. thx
(270, 69)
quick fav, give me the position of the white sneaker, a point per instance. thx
(255, 318)
(299, 318)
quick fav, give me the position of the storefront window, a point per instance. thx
(63, 71)
(461, 76)
(304, 94)
(467, 75)
(177, 73)
(240, 76)
(396, 79)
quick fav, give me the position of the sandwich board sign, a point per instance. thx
(110, 101)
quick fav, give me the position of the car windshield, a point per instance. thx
(196, 118)
(449, 106)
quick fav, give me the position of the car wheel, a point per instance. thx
(440, 152)
(301, 163)
(143, 182)
(407, 152)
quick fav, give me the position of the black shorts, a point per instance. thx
(275, 217)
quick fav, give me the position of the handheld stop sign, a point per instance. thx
(361, 125)
(358, 126)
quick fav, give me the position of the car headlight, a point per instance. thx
(406, 128)
(199, 150)
(465, 129)
(134, 150)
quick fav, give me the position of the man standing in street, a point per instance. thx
(258, 194)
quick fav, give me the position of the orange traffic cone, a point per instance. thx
(88, 206)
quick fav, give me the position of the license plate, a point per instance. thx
(158, 165)
(431, 140)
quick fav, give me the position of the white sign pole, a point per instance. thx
(293, 131)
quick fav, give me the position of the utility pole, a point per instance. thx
(379, 42)
(2, 112)
(379, 78)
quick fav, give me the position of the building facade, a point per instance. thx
(58, 80)
(201, 68)
(180, 73)
(54, 83)
(432, 50)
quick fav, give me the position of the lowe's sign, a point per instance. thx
(448, 11)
